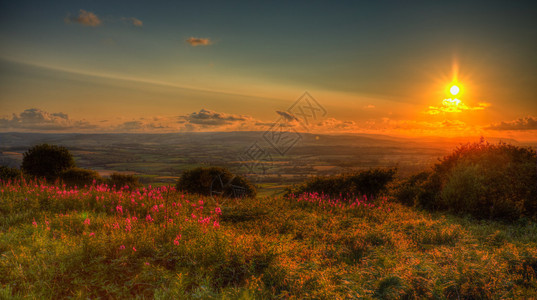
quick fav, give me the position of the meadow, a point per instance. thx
(156, 242)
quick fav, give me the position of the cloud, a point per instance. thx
(454, 105)
(36, 119)
(369, 106)
(527, 123)
(287, 116)
(198, 41)
(331, 125)
(85, 18)
(133, 21)
(209, 118)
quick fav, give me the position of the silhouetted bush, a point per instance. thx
(371, 183)
(7, 173)
(47, 161)
(215, 181)
(121, 180)
(80, 177)
(483, 180)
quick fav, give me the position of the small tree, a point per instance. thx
(47, 161)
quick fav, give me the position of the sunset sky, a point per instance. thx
(168, 66)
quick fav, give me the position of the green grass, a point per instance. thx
(258, 248)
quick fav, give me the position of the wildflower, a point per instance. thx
(122, 247)
(216, 224)
(87, 221)
(133, 248)
(146, 263)
(148, 218)
(218, 211)
(176, 240)
(92, 234)
(119, 209)
(34, 223)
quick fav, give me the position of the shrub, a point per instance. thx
(211, 181)
(408, 191)
(7, 173)
(121, 180)
(485, 181)
(80, 177)
(371, 183)
(47, 161)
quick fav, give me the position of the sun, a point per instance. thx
(454, 90)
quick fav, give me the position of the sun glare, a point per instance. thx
(454, 90)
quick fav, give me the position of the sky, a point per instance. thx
(383, 67)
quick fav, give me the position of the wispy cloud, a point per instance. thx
(133, 21)
(454, 105)
(193, 41)
(527, 123)
(85, 18)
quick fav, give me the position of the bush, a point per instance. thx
(7, 173)
(210, 181)
(80, 177)
(485, 181)
(121, 180)
(372, 183)
(408, 191)
(47, 161)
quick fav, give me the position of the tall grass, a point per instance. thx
(60, 242)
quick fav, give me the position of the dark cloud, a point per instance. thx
(287, 116)
(527, 123)
(85, 18)
(36, 119)
(212, 118)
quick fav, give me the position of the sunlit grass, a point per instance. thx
(157, 242)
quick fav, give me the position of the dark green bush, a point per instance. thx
(372, 183)
(121, 180)
(215, 181)
(7, 173)
(485, 181)
(47, 161)
(80, 177)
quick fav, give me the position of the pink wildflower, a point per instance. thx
(122, 247)
(87, 221)
(148, 218)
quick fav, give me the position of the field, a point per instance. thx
(159, 159)
(159, 243)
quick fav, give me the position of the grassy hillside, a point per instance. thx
(160, 243)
